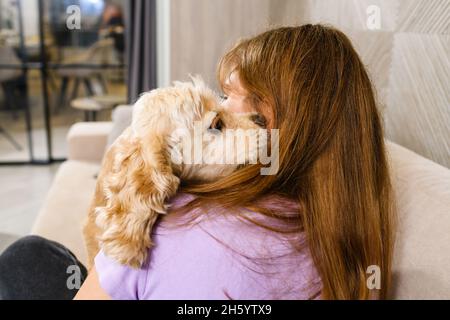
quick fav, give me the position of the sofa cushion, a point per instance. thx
(422, 252)
(65, 209)
(87, 141)
(121, 118)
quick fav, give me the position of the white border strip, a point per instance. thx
(163, 42)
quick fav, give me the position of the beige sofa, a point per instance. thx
(422, 254)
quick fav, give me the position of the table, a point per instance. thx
(94, 104)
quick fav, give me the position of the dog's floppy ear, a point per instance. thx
(136, 190)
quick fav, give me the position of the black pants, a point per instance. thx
(37, 268)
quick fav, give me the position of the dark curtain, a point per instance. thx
(140, 46)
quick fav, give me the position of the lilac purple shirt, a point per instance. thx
(218, 257)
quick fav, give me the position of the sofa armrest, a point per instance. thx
(87, 141)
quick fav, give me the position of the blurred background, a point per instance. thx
(45, 67)
(67, 61)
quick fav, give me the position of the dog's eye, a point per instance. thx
(259, 120)
(216, 124)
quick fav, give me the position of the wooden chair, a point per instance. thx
(97, 54)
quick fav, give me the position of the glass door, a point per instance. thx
(61, 62)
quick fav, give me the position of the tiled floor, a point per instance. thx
(22, 192)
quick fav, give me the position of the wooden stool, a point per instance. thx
(91, 105)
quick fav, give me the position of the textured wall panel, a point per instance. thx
(344, 14)
(375, 50)
(424, 16)
(203, 30)
(418, 113)
(352, 14)
(290, 12)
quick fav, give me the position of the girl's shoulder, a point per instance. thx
(219, 256)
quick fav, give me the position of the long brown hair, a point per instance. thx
(331, 152)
